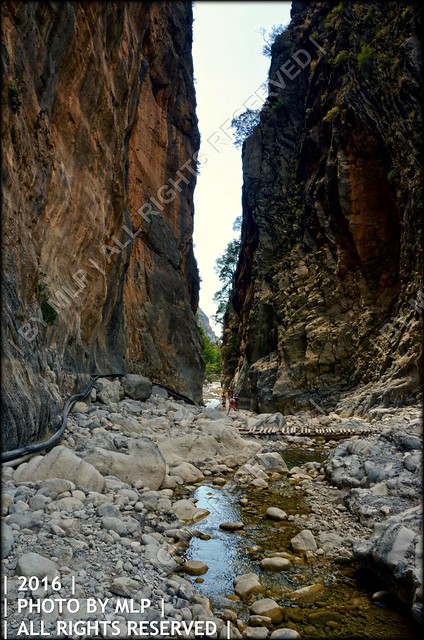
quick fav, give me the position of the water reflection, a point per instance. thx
(225, 553)
(346, 598)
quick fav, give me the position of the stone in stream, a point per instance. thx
(186, 510)
(276, 564)
(194, 567)
(304, 541)
(260, 621)
(272, 461)
(269, 608)
(276, 514)
(246, 584)
(284, 634)
(260, 483)
(306, 594)
(231, 525)
(201, 535)
(382, 597)
(229, 616)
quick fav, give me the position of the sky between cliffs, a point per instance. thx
(229, 70)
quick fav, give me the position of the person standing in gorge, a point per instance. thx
(223, 400)
(232, 405)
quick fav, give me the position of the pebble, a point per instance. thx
(276, 514)
(194, 567)
(276, 564)
(231, 525)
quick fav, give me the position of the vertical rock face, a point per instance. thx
(99, 141)
(328, 289)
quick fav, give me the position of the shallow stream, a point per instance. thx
(343, 609)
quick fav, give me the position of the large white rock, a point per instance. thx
(143, 462)
(61, 462)
(125, 586)
(395, 549)
(186, 510)
(211, 439)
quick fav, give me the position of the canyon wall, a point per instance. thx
(99, 139)
(328, 295)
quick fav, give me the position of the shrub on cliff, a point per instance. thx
(212, 357)
(225, 267)
(244, 125)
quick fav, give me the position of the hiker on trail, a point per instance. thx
(232, 405)
(230, 392)
(223, 400)
(236, 400)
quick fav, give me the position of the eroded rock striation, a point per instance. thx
(99, 137)
(328, 290)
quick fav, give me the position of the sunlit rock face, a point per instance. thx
(99, 140)
(328, 290)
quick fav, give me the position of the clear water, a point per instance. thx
(345, 602)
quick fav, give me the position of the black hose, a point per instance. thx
(33, 448)
(6, 456)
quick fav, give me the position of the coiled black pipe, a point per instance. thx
(6, 456)
(33, 448)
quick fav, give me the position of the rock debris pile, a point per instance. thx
(106, 511)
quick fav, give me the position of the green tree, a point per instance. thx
(244, 125)
(212, 357)
(225, 268)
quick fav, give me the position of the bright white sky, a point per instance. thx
(229, 68)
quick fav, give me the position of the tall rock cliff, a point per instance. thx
(99, 139)
(328, 289)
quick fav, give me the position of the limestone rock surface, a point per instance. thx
(328, 291)
(98, 117)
